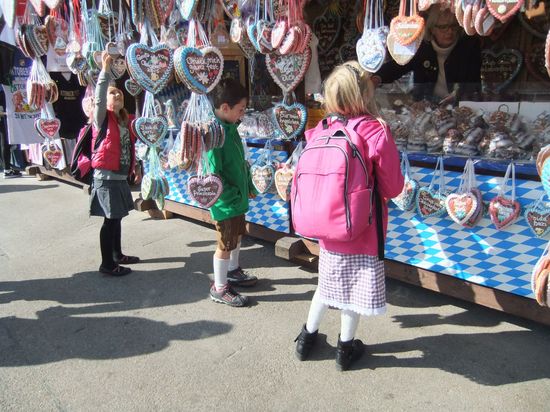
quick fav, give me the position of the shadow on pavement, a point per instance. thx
(23, 188)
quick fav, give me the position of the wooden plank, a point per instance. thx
(471, 292)
(58, 174)
(288, 247)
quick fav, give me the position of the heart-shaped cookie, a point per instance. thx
(47, 128)
(53, 156)
(236, 30)
(288, 70)
(406, 199)
(371, 48)
(205, 190)
(132, 87)
(503, 212)
(461, 207)
(407, 29)
(200, 68)
(327, 28)
(278, 33)
(283, 181)
(151, 130)
(402, 54)
(262, 177)
(430, 203)
(150, 67)
(290, 119)
(498, 69)
(537, 216)
(504, 9)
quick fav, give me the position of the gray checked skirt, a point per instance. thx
(111, 199)
(352, 282)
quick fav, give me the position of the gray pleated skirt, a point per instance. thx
(111, 199)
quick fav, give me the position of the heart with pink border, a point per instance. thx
(288, 70)
(151, 130)
(53, 155)
(290, 119)
(132, 87)
(47, 128)
(504, 9)
(503, 212)
(205, 190)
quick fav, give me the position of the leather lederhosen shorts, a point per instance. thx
(228, 232)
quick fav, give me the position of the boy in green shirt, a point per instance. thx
(229, 99)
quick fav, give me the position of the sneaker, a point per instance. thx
(9, 174)
(238, 277)
(228, 296)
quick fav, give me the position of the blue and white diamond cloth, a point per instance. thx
(483, 255)
(266, 209)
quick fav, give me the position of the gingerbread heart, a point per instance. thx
(151, 130)
(503, 212)
(132, 87)
(504, 9)
(283, 181)
(236, 30)
(402, 54)
(288, 70)
(537, 216)
(430, 203)
(547, 53)
(118, 67)
(107, 24)
(327, 28)
(371, 48)
(406, 199)
(262, 177)
(148, 186)
(150, 67)
(205, 190)
(406, 29)
(53, 156)
(200, 68)
(278, 33)
(47, 128)
(498, 69)
(461, 207)
(290, 119)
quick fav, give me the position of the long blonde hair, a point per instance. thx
(348, 92)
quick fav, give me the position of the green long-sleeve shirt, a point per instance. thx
(230, 164)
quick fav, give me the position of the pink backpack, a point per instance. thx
(332, 193)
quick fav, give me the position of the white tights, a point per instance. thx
(349, 320)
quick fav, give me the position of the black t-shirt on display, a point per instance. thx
(68, 107)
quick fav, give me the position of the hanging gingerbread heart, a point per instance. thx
(371, 48)
(482, 209)
(290, 119)
(499, 69)
(430, 203)
(236, 30)
(288, 70)
(132, 87)
(47, 128)
(547, 53)
(201, 68)
(402, 54)
(406, 29)
(327, 28)
(504, 9)
(278, 33)
(107, 24)
(150, 67)
(53, 155)
(461, 207)
(205, 190)
(262, 177)
(503, 211)
(405, 200)
(151, 130)
(283, 182)
(537, 216)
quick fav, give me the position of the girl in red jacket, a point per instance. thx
(113, 161)
(351, 275)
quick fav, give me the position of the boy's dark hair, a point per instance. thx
(228, 91)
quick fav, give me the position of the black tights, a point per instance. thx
(109, 240)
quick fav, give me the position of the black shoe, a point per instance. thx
(348, 352)
(117, 271)
(127, 260)
(10, 174)
(238, 277)
(304, 342)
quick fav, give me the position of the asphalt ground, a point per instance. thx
(72, 339)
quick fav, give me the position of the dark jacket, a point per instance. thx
(462, 69)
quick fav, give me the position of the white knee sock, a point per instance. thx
(234, 260)
(316, 312)
(220, 272)
(348, 326)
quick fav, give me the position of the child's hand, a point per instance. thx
(106, 60)
(251, 195)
